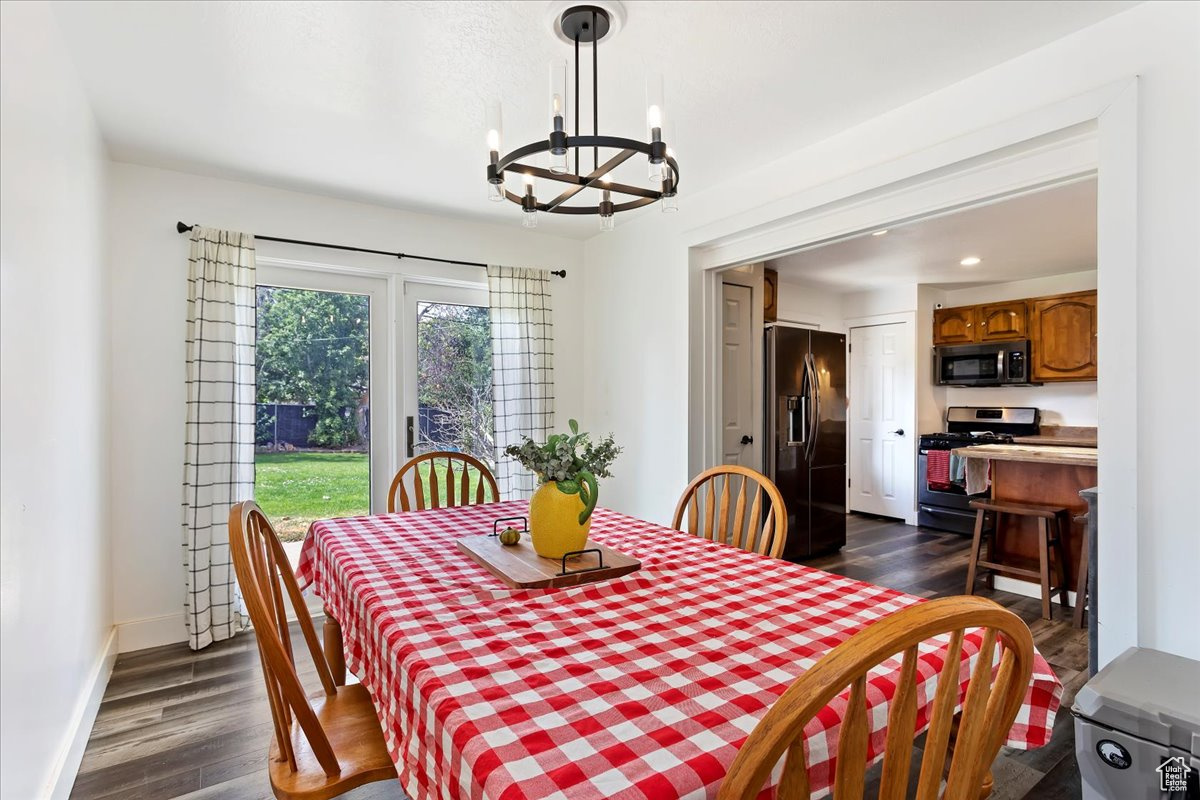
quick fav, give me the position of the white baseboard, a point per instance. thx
(1027, 589)
(66, 767)
(138, 634)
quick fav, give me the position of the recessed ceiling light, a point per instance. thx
(880, 233)
(970, 261)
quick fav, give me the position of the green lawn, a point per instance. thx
(294, 489)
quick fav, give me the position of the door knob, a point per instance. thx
(899, 432)
(747, 439)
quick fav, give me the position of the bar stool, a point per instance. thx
(1083, 589)
(1052, 525)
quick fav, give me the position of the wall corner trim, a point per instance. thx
(62, 775)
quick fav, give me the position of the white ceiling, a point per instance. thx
(1050, 232)
(383, 102)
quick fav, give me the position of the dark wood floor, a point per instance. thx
(178, 724)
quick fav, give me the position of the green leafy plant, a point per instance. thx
(572, 461)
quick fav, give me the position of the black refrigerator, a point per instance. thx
(806, 435)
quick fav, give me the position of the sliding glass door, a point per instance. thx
(446, 336)
(323, 431)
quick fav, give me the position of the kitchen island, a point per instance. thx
(1046, 474)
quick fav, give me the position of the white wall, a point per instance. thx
(1082, 281)
(149, 267)
(55, 585)
(931, 398)
(636, 352)
(1061, 403)
(806, 304)
(641, 288)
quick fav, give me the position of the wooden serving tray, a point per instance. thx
(521, 568)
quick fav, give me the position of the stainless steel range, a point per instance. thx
(942, 502)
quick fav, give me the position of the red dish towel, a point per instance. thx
(937, 469)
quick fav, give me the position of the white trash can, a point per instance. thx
(1137, 728)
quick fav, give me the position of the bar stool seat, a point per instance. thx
(1052, 524)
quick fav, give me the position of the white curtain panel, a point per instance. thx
(522, 368)
(219, 443)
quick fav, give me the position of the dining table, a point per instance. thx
(641, 687)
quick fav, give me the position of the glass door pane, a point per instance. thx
(312, 429)
(319, 378)
(454, 380)
(448, 376)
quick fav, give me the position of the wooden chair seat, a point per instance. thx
(352, 726)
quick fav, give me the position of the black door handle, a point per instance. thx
(747, 439)
(899, 432)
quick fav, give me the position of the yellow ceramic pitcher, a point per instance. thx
(554, 525)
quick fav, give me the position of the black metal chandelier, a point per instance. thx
(584, 24)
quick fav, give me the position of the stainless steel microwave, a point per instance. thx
(992, 364)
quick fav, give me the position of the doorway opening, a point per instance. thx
(323, 431)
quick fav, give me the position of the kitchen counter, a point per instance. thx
(1061, 435)
(1029, 453)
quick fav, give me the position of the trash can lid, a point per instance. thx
(1147, 693)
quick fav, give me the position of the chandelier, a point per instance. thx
(584, 25)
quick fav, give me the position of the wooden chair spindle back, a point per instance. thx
(756, 520)
(265, 577)
(429, 488)
(989, 708)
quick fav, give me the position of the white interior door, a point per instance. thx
(737, 377)
(882, 458)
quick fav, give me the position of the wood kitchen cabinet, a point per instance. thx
(1063, 337)
(770, 295)
(954, 325)
(998, 322)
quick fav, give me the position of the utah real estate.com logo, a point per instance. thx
(1173, 775)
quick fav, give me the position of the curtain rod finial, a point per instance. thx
(562, 273)
(182, 228)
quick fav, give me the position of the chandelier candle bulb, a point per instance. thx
(558, 114)
(493, 122)
(529, 203)
(670, 198)
(607, 223)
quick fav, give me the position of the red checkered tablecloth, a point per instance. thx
(640, 687)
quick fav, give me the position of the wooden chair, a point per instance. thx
(325, 745)
(988, 710)
(763, 532)
(458, 485)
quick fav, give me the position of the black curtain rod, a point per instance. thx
(184, 228)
